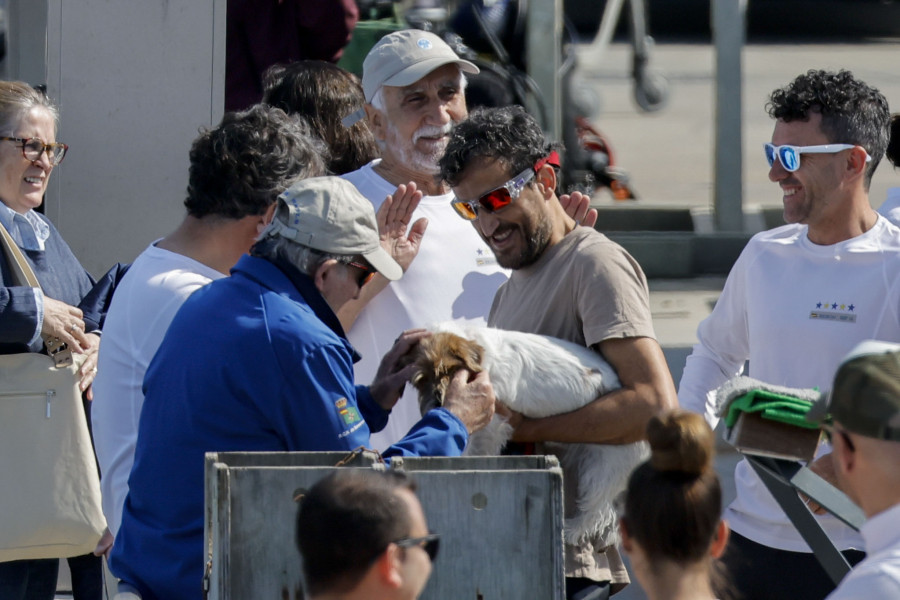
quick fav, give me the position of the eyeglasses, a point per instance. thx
(33, 148)
(367, 273)
(430, 543)
(499, 198)
(790, 155)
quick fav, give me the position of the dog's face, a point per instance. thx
(437, 359)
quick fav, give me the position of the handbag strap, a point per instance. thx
(24, 275)
(21, 271)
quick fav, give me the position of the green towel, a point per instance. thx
(785, 405)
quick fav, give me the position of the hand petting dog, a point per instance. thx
(469, 396)
(471, 400)
(395, 370)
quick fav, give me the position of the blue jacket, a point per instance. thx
(252, 362)
(61, 277)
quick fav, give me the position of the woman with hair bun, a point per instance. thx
(672, 527)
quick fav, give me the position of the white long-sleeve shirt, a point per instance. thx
(793, 309)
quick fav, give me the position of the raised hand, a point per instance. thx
(578, 206)
(400, 240)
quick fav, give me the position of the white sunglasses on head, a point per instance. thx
(790, 155)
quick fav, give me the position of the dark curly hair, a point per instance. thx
(852, 112)
(509, 135)
(893, 149)
(323, 94)
(239, 167)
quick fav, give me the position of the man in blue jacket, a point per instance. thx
(259, 362)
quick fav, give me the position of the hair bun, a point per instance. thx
(680, 441)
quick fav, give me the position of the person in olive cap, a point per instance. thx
(864, 404)
(259, 362)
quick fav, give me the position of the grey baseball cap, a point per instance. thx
(403, 57)
(865, 396)
(329, 214)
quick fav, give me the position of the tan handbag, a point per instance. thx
(49, 484)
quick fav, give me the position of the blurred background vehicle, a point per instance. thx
(765, 18)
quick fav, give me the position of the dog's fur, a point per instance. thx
(537, 376)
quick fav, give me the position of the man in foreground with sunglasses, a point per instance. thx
(796, 301)
(567, 281)
(258, 361)
(392, 553)
(864, 410)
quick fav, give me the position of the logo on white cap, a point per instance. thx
(424, 44)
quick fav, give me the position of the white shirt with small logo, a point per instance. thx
(794, 309)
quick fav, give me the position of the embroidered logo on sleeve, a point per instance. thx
(349, 415)
(844, 312)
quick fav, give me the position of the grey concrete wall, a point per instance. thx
(135, 80)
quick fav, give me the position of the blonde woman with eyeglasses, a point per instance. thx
(29, 152)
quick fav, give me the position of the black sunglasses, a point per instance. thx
(367, 273)
(430, 543)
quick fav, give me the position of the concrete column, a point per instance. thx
(728, 26)
(543, 39)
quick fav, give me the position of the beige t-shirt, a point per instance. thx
(585, 289)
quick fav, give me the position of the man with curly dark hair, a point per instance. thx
(797, 300)
(567, 281)
(237, 171)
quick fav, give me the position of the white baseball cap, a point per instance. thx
(404, 57)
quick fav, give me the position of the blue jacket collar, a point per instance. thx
(283, 277)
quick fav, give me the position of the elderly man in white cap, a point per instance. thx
(259, 362)
(414, 85)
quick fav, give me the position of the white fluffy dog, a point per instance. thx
(537, 376)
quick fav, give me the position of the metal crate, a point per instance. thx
(500, 520)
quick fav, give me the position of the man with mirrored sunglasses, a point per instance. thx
(796, 301)
(392, 553)
(567, 281)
